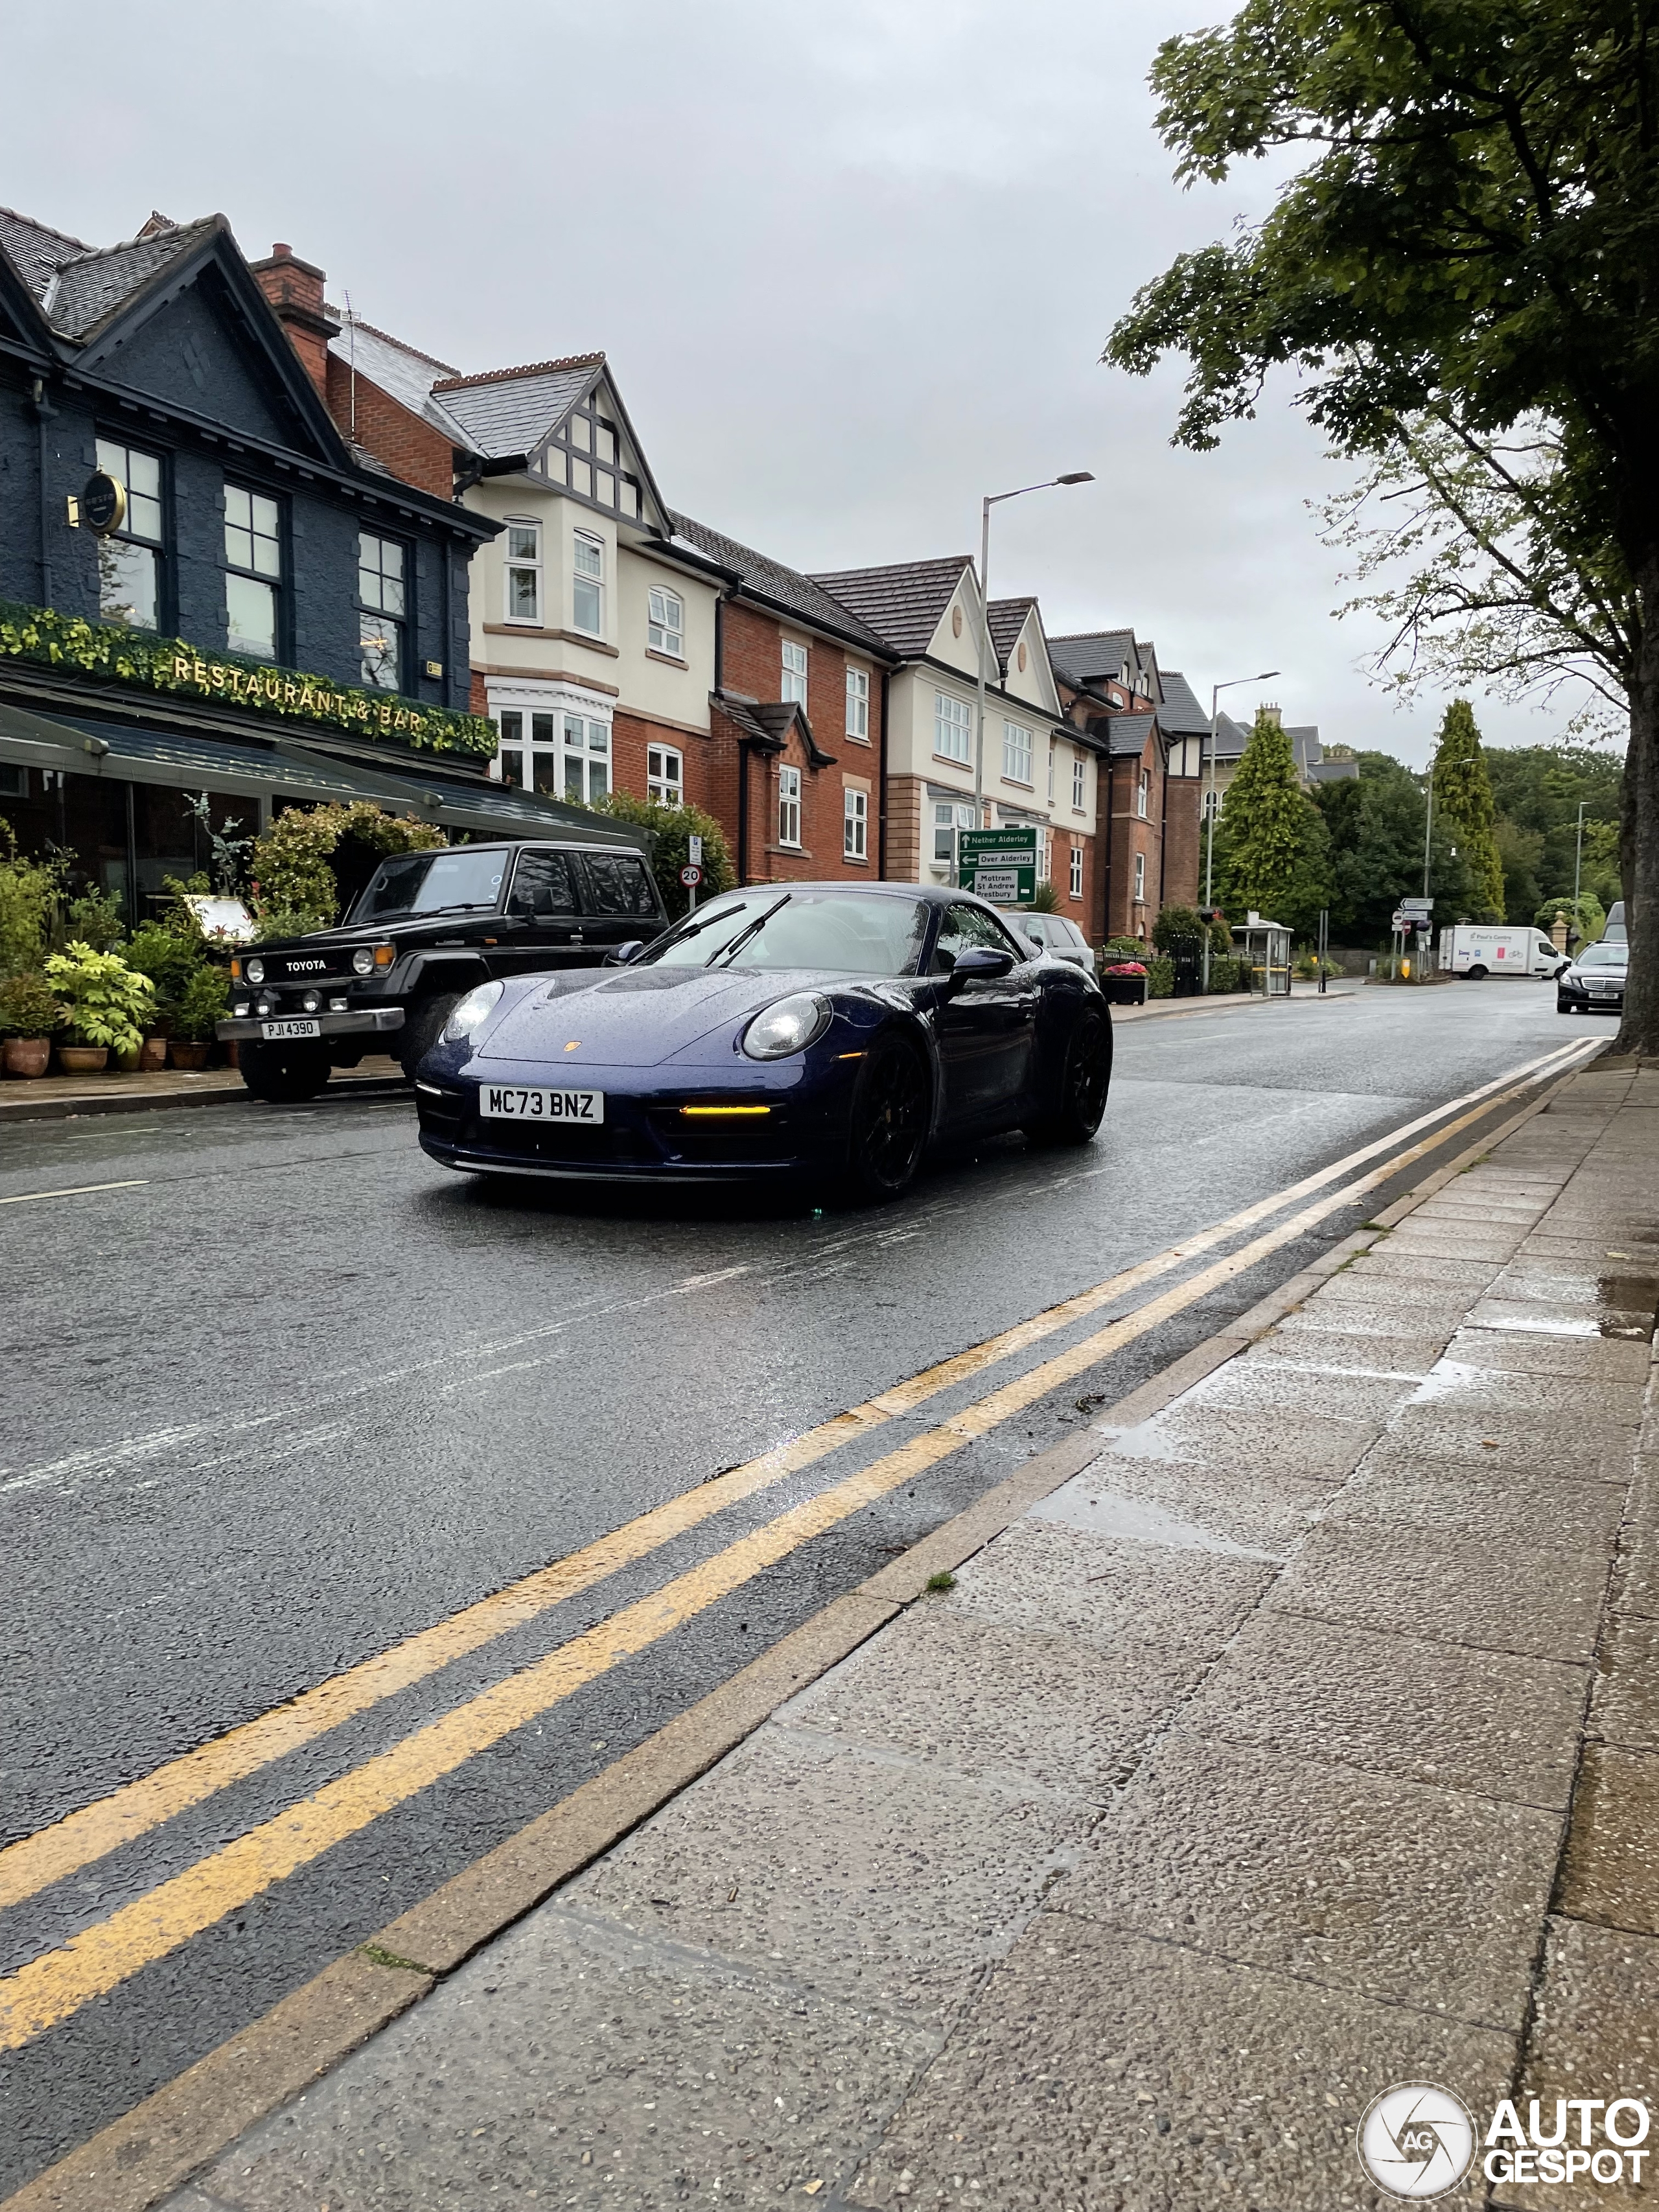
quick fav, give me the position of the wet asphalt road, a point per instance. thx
(303, 1392)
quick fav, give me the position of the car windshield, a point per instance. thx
(1604, 956)
(424, 882)
(855, 933)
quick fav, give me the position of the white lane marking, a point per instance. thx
(76, 1190)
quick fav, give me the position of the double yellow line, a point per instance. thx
(57, 1983)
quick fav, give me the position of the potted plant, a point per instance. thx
(169, 958)
(106, 1006)
(201, 1005)
(29, 1015)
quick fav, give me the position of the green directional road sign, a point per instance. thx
(1000, 865)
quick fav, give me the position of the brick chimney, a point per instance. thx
(295, 289)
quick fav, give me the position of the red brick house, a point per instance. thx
(799, 721)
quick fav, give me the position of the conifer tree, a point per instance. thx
(1272, 848)
(1463, 807)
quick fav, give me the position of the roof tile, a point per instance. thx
(903, 602)
(770, 580)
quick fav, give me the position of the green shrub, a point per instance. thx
(201, 1005)
(1179, 925)
(1125, 948)
(1045, 899)
(291, 870)
(29, 892)
(670, 826)
(105, 1002)
(27, 1008)
(1228, 972)
(93, 917)
(1160, 976)
(167, 958)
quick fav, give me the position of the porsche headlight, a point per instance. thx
(469, 1016)
(789, 1026)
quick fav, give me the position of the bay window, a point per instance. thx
(523, 602)
(587, 584)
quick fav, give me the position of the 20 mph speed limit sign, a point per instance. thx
(690, 877)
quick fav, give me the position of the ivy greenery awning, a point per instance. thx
(109, 654)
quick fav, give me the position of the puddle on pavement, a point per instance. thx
(1082, 1503)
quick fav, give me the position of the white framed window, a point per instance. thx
(1077, 871)
(129, 559)
(665, 774)
(1051, 774)
(666, 623)
(585, 746)
(855, 824)
(1079, 782)
(947, 820)
(587, 583)
(1211, 804)
(1140, 878)
(523, 602)
(1016, 753)
(789, 806)
(952, 727)
(793, 678)
(1143, 792)
(858, 703)
(253, 569)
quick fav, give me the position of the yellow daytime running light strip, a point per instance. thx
(722, 1113)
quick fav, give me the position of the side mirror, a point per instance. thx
(624, 956)
(979, 963)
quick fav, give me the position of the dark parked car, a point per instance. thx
(1595, 982)
(815, 1030)
(425, 930)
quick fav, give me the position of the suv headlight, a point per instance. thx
(469, 1016)
(255, 970)
(789, 1026)
(362, 961)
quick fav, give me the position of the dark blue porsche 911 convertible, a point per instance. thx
(821, 1031)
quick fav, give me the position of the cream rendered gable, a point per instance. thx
(1036, 681)
(955, 635)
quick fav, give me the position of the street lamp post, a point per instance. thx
(1216, 690)
(1578, 870)
(995, 499)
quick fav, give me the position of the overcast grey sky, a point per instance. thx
(852, 261)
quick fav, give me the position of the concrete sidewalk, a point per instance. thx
(58, 1097)
(1306, 1742)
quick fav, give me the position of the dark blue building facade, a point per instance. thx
(203, 587)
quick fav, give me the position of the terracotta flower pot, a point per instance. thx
(188, 1055)
(154, 1055)
(82, 1058)
(233, 1054)
(27, 1056)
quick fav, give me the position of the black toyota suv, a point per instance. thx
(426, 927)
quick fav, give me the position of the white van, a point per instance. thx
(1477, 953)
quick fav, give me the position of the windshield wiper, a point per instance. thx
(729, 952)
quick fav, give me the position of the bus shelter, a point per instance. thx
(1265, 948)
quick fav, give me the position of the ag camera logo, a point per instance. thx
(1416, 2141)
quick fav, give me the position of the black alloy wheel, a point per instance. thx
(1083, 1085)
(888, 1131)
(282, 1075)
(422, 1023)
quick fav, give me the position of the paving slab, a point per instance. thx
(1102, 2069)
(1259, 1437)
(573, 2067)
(1412, 1267)
(1595, 1450)
(1108, 1590)
(1596, 2033)
(1525, 1351)
(972, 1696)
(1625, 1705)
(1535, 1511)
(1237, 1510)
(1323, 1348)
(1267, 1386)
(868, 1877)
(1498, 1725)
(1553, 1318)
(1488, 1588)
(1611, 1871)
(1398, 1890)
